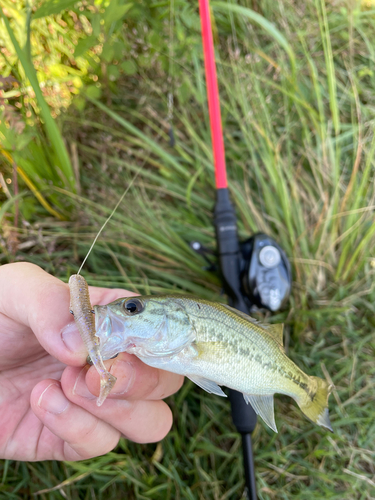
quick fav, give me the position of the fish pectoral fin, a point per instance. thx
(263, 406)
(207, 385)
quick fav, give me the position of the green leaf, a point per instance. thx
(51, 7)
(93, 92)
(84, 45)
(95, 24)
(120, 50)
(107, 52)
(129, 67)
(115, 12)
(113, 72)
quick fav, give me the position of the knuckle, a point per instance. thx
(93, 443)
(153, 382)
(86, 434)
(171, 384)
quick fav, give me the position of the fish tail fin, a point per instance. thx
(315, 404)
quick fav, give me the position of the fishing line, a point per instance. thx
(246, 110)
(169, 119)
(110, 216)
(116, 207)
(172, 140)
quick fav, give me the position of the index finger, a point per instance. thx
(34, 298)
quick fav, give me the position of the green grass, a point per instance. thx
(298, 118)
(31, 142)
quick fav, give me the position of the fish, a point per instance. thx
(80, 307)
(213, 345)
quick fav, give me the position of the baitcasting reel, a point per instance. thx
(265, 274)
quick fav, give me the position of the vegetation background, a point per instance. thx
(85, 108)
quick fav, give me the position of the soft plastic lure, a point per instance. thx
(81, 308)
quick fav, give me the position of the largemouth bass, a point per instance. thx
(212, 344)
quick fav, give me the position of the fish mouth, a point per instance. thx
(103, 322)
(110, 331)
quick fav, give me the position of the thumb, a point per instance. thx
(39, 301)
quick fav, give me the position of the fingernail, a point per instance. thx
(125, 373)
(72, 339)
(80, 387)
(53, 400)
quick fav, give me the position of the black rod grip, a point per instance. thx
(244, 417)
(225, 221)
(249, 467)
(228, 247)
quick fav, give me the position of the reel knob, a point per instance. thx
(269, 256)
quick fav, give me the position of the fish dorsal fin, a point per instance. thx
(276, 331)
(208, 385)
(242, 314)
(263, 406)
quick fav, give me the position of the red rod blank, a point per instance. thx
(213, 96)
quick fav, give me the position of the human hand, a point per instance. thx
(48, 394)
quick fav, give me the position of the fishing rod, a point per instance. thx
(255, 273)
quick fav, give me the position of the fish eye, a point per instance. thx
(133, 306)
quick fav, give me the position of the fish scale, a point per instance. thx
(214, 345)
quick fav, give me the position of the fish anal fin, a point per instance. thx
(207, 385)
(263, 406)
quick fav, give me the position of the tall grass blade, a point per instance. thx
(50, 126)
(265, 24)
(155, 148)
